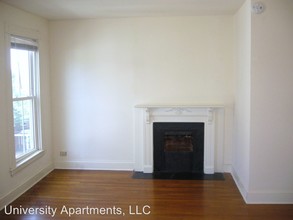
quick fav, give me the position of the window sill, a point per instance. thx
(27, 161)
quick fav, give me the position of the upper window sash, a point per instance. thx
(23, 43)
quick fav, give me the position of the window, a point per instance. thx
(24, 70)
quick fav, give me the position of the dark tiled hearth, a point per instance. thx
(178, 176)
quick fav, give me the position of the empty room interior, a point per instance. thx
(146, 109)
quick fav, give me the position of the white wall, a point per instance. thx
(271, 169)
(102, 68)
(11, 187)
(241, 143)
(263, 140)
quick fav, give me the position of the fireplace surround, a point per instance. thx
(211, 117)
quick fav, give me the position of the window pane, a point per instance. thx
(23, 127)
(20, 72)
(24, 64)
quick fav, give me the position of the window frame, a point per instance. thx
(17, 164)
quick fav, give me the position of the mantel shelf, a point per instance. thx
(178, 106)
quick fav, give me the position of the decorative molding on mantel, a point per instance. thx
(186, 110)
(146, 115)
(178, 106)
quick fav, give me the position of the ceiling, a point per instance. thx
(81, 9)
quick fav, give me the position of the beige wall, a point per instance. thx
(102, 68)
(241, 134)
(271, 176)
(262, 158)
(11, 187)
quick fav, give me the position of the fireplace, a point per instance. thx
(198, 149)
(178, 147)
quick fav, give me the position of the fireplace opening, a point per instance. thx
(178, 147)
(178, 142)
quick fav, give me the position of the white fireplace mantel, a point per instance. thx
(146, 115)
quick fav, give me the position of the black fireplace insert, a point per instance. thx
(178, 147)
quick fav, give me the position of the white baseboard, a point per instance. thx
(105, 165)
(270, 198)
(262, 197)
(239, 185)
(14, 194)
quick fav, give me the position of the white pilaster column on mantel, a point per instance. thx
(146, 115)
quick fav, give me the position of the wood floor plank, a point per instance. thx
(115, 195)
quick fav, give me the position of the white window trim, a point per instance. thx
(30, 158)
(17, 165)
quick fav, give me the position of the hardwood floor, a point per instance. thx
(115, 195)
